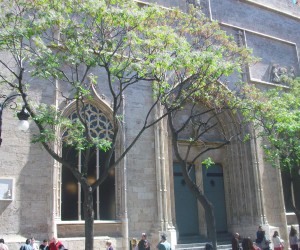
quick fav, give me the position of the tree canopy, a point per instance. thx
(275, 114)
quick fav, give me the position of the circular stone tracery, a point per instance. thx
(99, 125)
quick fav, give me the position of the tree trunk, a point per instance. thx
(88, 217)
(210, 218)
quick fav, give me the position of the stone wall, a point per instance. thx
(271, 28)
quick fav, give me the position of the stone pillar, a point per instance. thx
(123, 164)
(158, 155)
(283, 229)
(55, 173)
(163, 179)
(56, 170)
(257, 178)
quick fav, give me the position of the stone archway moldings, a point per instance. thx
(99, 101)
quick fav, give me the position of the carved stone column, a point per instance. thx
(258, 182)
(163, 179)
(123, 187)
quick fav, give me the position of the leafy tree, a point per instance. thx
(67, 45)
(276, 115)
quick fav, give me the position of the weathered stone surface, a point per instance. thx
(252, 187)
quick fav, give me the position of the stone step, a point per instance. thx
(200, 246)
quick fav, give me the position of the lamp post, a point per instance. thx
(22, 115)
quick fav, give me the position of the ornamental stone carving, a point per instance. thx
(196, 3)
(281, 74)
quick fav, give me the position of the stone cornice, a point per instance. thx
(269, 8)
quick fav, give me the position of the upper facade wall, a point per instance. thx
(287, 6)
(255, 17)
(278, 18)
(270, 28)
(272, 33)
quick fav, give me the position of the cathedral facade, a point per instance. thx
(146, 192)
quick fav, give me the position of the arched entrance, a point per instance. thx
(207, 135)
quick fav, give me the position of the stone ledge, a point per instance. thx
(70, 229)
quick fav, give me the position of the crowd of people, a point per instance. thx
(144, 244)
(238, 243)
(55, 244)
(262, 243)
(30, 244)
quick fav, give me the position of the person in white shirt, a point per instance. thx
(33, 244)
(277, 242)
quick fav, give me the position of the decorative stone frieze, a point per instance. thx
(281, 74)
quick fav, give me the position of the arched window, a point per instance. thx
(71, 195)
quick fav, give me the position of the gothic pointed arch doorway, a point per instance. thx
(203, 133)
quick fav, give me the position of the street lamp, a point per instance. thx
(22, 115)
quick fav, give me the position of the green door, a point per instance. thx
(213, 182)
(185, 206)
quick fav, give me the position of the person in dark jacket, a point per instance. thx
(142, 242)
(235, 242)
(44, 245)
(259, 235)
